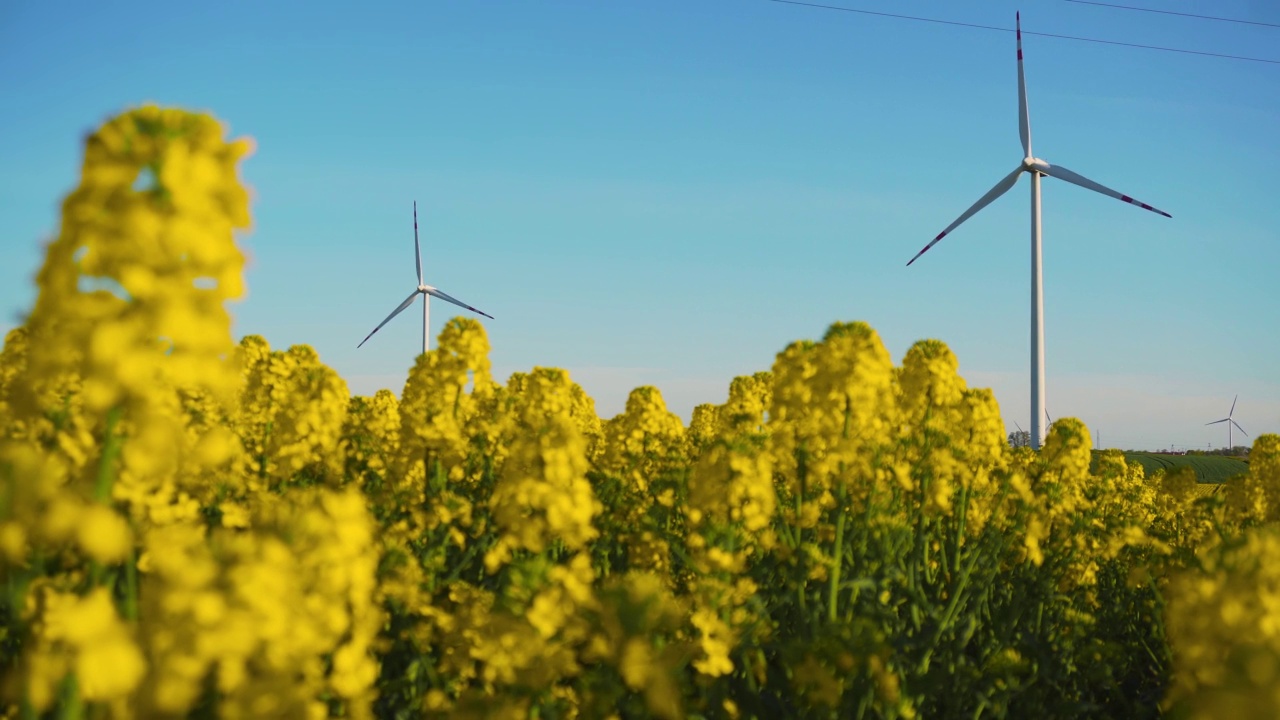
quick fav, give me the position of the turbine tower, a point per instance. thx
(1037, 168)
(1229, 423)
(426, 291)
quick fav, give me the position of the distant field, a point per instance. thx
(1208, 468)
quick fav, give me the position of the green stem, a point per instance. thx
(961, 587)
(838, 557)
(801, 471)
(917, 566)
(70, 707)
(960, 526)
(131, 587)
(111, 444)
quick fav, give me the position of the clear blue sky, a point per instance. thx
(668, 192)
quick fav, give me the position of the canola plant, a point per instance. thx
(194, 527)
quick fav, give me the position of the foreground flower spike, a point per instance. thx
(135, 285)
(425, 291)
(1037, 168)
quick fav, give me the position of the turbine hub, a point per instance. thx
(1029, 162)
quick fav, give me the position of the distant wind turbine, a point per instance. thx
(426, 291)
(1021, 432)
(1036, 168)
(1229, 423)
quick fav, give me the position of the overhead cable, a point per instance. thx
(1171, 12)
(1026, 32)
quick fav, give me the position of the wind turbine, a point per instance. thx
(1036, 168)
(1229, 423)
(426, 291)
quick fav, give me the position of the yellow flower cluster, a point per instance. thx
(1224, 627)
(542, 494)
(371, 435)
(828, 409)
(435, 406)
(83, 636)
(128, 428)
(1223, 613)
(732, 485)
(265, 608)
(635, 629)
(292, 416)
(645, 440)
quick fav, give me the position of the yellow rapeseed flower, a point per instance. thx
(104, 535)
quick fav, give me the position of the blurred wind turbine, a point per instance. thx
(1021, 432)
(1036, 168)
(426, 291)
(1229, 423)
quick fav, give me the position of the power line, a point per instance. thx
(892, 15)
(1170, 12)
(1150, 47)
(1027, 32)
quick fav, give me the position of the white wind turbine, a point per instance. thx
(1036, 168)
(426, 291)
(1229, 423)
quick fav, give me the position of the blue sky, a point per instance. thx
(668, 192)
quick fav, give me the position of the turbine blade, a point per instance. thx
(1215, 422)
(1062, 173)
(407, 302)
(1233, 406)
(1233, 422)
(417, 251)
(449, 298)
(1024, 118)
(1001, 188)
